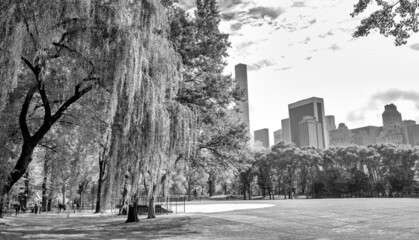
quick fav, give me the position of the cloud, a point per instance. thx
(242, 45)
(283, 68)
(415, 46)
(334, 47)
(266, 11)
(228, 16)
(236, 26)
(260, 64)
(298, 4)
(396, 94)
(381, 99)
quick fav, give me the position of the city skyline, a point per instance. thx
(299, 49)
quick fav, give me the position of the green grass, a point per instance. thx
(287, 219)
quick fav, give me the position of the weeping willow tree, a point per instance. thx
(150, 128)
(55, 52)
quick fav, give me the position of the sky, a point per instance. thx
(297, 49)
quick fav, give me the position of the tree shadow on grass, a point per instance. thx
(105, 228)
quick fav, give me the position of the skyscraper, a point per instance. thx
(393, 131)
(286, 130)
(262, 138)
(313, 107)
(330, 122)
(241, 79)
(278, 136)
(391, 117)
(310, 133)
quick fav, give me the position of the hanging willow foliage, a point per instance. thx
(143, 113)
(71, 47)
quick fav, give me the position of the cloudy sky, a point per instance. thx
(296, 49)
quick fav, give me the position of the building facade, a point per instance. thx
(365, 135)
(313, 107)
(341, 136)
(330, 122)
(241, 79)
(261, 137)
(286, 130)
(393, 131)
(413, 135)
(278, 136)
(310, 133)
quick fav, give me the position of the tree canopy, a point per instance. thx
(393, 18)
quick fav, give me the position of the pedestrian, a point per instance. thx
(36, 208)
(17, 208)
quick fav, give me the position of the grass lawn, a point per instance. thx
(275, 219)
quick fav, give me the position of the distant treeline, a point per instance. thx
(383, 170)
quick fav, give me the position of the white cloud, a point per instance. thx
(306, 49)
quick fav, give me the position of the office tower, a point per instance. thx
(286, 130)
(261, 138)
(313, 107)
(241, 79)
(278, 136)
(330, 122)
(341, 136)
(413, 135)
(393, 131)
(310, 133)
(391, 117)
(365, 135)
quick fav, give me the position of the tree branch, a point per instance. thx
(23, 113)
(78, 94)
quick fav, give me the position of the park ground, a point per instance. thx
(323, 219)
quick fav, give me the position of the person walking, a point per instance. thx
(36, 208)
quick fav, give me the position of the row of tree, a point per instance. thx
(121, 94)
(355, 171)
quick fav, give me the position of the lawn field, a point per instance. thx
(257, 219)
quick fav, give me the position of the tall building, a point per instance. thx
(311, 133)
(261, 138)
(313, 107)
(286, 130)
(278, 136)
(330, 122)
(341, 136)
(393, 131)
(391, 117)
(365, 135)
(241, 79)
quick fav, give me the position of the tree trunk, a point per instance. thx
(44, 194)
(99, 187)
(81, 200)
(2, 197)
(63, 192)
(249, 192)
(189, 189)
(244, 191)
(132, 213)
(25, 201)
(49, 204)
(124, 198)
(151, 208)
